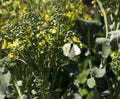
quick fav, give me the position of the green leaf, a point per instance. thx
(98, 72)
(77, 96)
(2, 96)
(4, 80)
(102, 40)
(103, 46)
(88, 30)
(82, 77)
(91, 82)
(115, 39)
(86, 25)
(84, 92)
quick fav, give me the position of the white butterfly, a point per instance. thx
(71, 50)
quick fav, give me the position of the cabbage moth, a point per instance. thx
(71, 50)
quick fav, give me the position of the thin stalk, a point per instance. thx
(18, 90)
(104, 16)
(118, 25)
(89, 51)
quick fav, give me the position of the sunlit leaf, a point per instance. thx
(77, 96)
(115, 39)
(98, 72)
(102, 40)
(4, 80)
(82, 77)
(105, 93)
(103, 46)
(2, 96)
(91, 82)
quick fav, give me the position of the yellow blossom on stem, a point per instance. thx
(11, 55)
(53, 31)
(4, 45)
(42, 43)
(14, 44)
(113, 54)
(75, 39)
(72, 6)
(47, 17)
(68, 14)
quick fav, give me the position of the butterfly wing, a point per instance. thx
(75, 50)
(66, 49)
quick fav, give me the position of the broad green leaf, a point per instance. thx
(86, 25)
(77, 96)
(88, 30)
(103, 46)
(2, 96)
(98, 72)
(91, 82)
(82, 77)
(4, 80)
(105, 93)
(102, 40)
(114, 34)
(84, 92)
(106, 50)
(115, 39)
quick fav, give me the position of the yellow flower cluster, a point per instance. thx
(12, 11)
(53, 31)
(42, 43)
(94, 3)
(72, 11)
(51, 24)
(113, 54)
(14, 44)
(47, 17)
(11, 55)
(17, 45)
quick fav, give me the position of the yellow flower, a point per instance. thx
(14, 44)
(53, 31)
(101, 13)
(113, 54)
(75, 39)
(32, 34)
(87, 17)
(47, 17)
(72, 6)
(42, 43)
(4, 45)
(81, 7)
(17, 42)
(68, 14)
(40, 34)
(93, 2)
(6, 3)
(11, 55)
(82, 45)
(21, 48)
(42, 51)
(13, 13)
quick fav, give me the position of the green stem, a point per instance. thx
(104, 16)
(89, 51)
(18, 90)
(118, 25)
